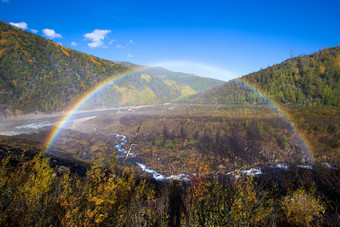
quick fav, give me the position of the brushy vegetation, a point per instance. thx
(232, 92)
(320, 126)
(32, 193)
(308, 80)
(302, 207)
(37, 74)
(253, 136)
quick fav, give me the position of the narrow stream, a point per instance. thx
(11, 128)
(157, 176)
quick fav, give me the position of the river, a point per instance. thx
(29, 126)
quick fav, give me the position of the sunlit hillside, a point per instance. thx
(170, 113)
(37, 74)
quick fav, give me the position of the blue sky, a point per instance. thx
(220, 39)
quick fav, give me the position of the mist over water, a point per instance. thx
(14, 127)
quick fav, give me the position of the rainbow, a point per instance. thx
(56, 130)
(88, 95)
(303, 140)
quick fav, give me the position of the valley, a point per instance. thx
(173, 137)
(212, 155)
(86, 141)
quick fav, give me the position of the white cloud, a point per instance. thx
(50, 33)
(5, 1)
(131, 42)
(74, 43)
(97, 37)
(112, 41)
(34, 30)
(21, 25)
(120, 46)
(130, 55)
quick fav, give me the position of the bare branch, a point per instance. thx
(127, 154)
(133, 141)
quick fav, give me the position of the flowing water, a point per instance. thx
(17, 127)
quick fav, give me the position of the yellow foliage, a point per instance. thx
(146, 77)
(170, 83)
(3, 41)
(69, 201)
(302, 208)
(97, 63)
(64, 50)
(338, 59)
(133, 96)
(38, 182)
(2, 51)
(12, 33)
(200, 185)
(248, 207)
(322, 69)
(14, 82)
(186, 91)
(26, 53)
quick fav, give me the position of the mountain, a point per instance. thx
(198, 83)
(308, 80)
(311, 79)
(37, 74)
(232, 92)
(151, 86)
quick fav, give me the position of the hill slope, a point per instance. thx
(306, 88)
(37, 74)
(309, 80)
(151, 86)
(232, 92)
(312, 79)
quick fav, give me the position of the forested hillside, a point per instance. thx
(151, 86)
(232, 92)
(306, 88)
(309, 80)
(198, 83)
(37, 74)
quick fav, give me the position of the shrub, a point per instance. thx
(157, 143)
(169, 144)
(282, 142)
(250, 205)
(302, 208)
(192, 142)
(172, 155)
(184, 154)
